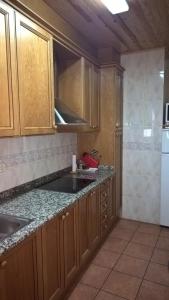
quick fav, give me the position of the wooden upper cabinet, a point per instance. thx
(118, 82)
(18, 278)
(87, 89)
(9, 110)
(35, 76)
(95, 99)
(91, 84)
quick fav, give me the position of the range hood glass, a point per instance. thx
(65, 116)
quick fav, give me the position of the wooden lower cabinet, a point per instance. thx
(93, 219)
(45, 265)
(111, 202)
(18, 272)
(89, 224)
(70, 247)
(83, 211)
(107, 204)
(59, 253)
(52, 259)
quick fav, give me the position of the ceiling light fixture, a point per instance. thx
(116, 6)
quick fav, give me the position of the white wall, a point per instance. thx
(143, 107)
(23, 159)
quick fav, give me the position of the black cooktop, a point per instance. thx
(67, 184)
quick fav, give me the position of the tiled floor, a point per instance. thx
(132, 264)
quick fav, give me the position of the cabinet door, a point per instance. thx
(118, 139)
(87, 89)
(9, 109)
(111, 201)
(18, 274)
(84, 250)
(34, 49)
(52, 259)
(118, 167)
(94, 107)
(93, 219)
(70, 244)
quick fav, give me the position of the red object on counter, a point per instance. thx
(90, 161)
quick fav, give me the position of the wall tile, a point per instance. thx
(23, 159)
(142, 119)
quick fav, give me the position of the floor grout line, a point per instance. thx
(143, 278)
(101, 288)
(148, 261)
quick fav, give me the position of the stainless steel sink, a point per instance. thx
(11, 224)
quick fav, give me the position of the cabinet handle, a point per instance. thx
(105, 194)
(63, 217)
(3, 264)
(67, 214)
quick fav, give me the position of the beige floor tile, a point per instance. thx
(164, 232)
(145, 239)
(115, 245)
(153, 291)
(160, 256)
(131, 265)
(83, 292)
(107, 296)
(139, 251)
(95, 276)
(157, 273)
(124, 234)
(106, 258)
(127, 224)
(122, 285)
(163, 243)
(149, 228)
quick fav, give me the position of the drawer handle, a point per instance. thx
(3, 264)
(67, 214)
(63, 217)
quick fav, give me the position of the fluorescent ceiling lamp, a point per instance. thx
(116, 6)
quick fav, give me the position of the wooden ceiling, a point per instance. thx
(144, 26)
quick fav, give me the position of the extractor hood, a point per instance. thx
(65, 116)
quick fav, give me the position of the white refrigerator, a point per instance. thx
(164, 211)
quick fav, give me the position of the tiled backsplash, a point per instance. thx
(23, 159)
(142, 117)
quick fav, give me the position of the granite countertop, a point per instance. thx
(41, 206)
